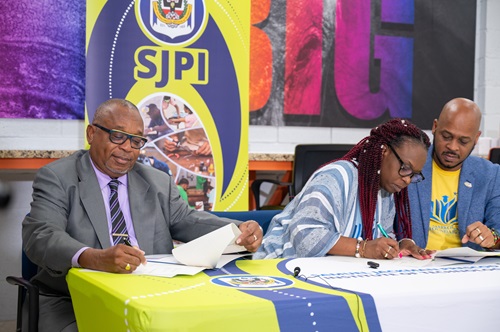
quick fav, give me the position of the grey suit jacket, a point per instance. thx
(68, 213)
(478, 198)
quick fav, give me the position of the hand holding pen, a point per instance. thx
(121, 258)
(380, 248)
(134, 255)
(409, 247)
(127, 242)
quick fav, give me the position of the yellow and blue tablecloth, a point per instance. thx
(245, 295)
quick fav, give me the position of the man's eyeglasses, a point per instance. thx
(406, 170)
(119, 137)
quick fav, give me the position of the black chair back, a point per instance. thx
(310, 157)
(494, 156)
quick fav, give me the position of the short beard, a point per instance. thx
(439, 157)
(117, 171)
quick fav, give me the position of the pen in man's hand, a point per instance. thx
(124, 237)
(127, 242)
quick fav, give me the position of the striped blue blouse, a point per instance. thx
(327, 208)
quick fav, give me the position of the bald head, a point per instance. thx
(464, 112)
(456, 132)
(111, 106)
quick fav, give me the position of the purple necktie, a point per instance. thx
(117, 220)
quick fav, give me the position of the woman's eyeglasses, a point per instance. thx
(119, 137)
(406, 170)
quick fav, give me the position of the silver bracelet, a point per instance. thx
(406, 238)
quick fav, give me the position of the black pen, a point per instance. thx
(124, 237)
(127, 242)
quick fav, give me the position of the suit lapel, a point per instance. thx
(465, 191)
(91, 198)
(143, 217)
(424, 190)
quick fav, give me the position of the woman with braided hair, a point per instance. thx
(356, 205)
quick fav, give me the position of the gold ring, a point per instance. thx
(478, 230)
(127, 267)
(386, 254)
(481, 238)
(389, 248)
(254, 238)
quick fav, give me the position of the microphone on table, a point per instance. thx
(296, 272)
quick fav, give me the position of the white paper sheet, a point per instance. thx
(168, 266)
(206, 250)
(461, 255)
(465, 252)
(195, 256)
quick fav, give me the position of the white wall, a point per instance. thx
(487, 85)
(68, 135)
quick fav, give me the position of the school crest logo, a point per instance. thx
(251, 282)
(173, 17)
(172, 21)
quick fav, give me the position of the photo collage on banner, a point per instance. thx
(179, 146)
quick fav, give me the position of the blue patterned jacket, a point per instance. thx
(478, 198)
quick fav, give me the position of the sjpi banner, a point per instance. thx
(185, 64)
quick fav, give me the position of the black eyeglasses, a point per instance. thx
(406, 170)
(119, 137)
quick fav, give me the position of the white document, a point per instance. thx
(195, 256)
(462, 255)
(206, 250)
(465, 252)
(166, 266)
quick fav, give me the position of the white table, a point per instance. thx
(416, 298)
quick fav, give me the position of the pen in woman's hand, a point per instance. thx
(382, 230)
(384, 233)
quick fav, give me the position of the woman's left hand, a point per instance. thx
(409, 248)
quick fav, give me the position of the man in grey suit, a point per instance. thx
(71, 221)
(459, 201)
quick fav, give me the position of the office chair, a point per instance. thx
(263, 217)
(307, 159)
(28, 270)
(494, 155)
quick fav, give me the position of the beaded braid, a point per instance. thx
(367, 157)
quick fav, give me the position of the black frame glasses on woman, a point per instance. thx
(406, 170)
(119, 137)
